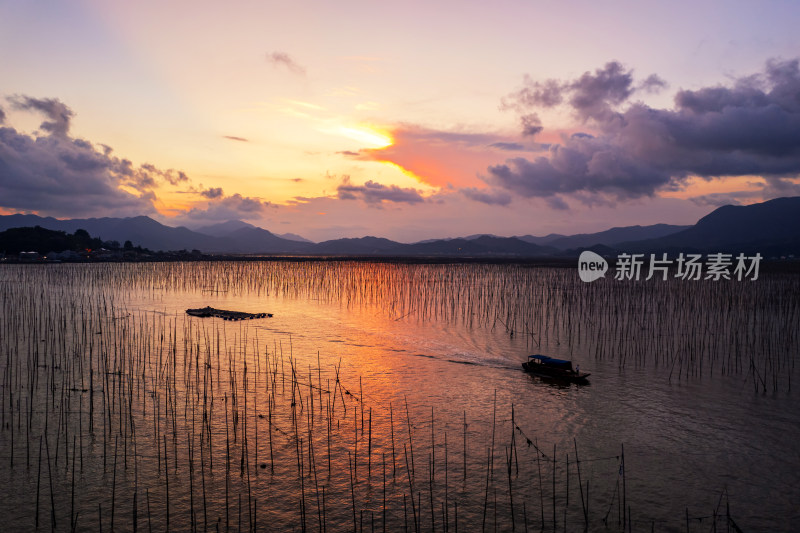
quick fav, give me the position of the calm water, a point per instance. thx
(147, 417)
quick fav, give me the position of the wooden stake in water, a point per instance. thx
(38, 482)
(369, 449)
(114, 483)
(465, 445)
(411, 447)
(554, 487)
(166, 479)
(624, 500)
(580, 486)
(391, 425)
(352, 492)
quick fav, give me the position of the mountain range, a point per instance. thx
(771, 228)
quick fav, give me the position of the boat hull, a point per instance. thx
(556, 373)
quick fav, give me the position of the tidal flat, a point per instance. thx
(384, 396)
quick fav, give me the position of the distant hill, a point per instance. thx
(140, 230)
(151, 234)
(223, 229)
(41, 240)
(257, 240)
(293, 237)
(29, 221)
(233, 229)
(359, 246)
(543, 241)
(477, 246)
(612, 237)
(485, 245)
(771, 227)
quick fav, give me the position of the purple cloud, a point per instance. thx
(653, 84)
(282, 59)
(66, 177)
(593, 96)
(487, 196)
(57, 112)
(213, 192)
(511, 147)
(531, 125)
(751, 127)
(375, 193)
(541, 94)
(171, 176)
(63, 176)
(233, 207)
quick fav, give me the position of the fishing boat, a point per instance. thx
(561, 369)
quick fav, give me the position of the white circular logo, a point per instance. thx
(591, 266)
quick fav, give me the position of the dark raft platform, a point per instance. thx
(205, 312)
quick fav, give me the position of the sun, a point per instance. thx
(371, 137)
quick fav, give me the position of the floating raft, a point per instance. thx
(204, 312)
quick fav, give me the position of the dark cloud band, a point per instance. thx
(64, 176)
(375, 193)
(751, 127)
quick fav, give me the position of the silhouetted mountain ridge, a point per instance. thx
(614, 236)
(771, 227)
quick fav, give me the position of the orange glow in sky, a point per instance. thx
(267, 110)
(370, 137)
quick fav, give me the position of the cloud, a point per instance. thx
(234, 138)
(245, 204)
(436, 157)
(282, 59)
(171, 176)
(556, 202)
(653, 84)
(755, 192)
(486, 195)
(782, 187)
(511, 147)
(750, 127)
(67, 177)
(592, 96)
(2, 116)
(57, 112)
(722, 198)
(531, 125)
(535, 94)
(231, 207)
(375, 193)
(581, 164)
(56, 174)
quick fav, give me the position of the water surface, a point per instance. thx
(692, 379)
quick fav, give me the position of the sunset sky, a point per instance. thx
(407, 120)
